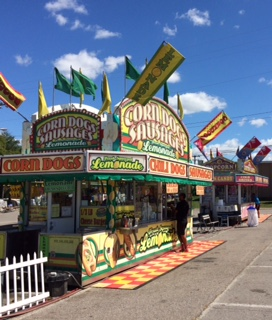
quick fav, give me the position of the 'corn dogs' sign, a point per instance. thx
(46, 164)
(154, 129)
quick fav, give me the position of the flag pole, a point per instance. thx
(3, 104)
(53, 102)
(22, 116)
(178, 104)
(116, 109)
(193, 138)
(125, 84)
(71, 85)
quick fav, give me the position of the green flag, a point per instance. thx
(131, 72)
(86, 85)
(64, 85)
(166, 92)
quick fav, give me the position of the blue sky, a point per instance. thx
(227, 45)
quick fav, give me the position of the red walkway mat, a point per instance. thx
(264, 217)
(144, 273)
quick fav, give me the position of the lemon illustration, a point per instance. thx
(116, 165)
(112, 196)
(140, 145)
(111, 223)
(160, 239)
(111, 209)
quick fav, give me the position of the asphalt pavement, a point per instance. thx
(232, 281)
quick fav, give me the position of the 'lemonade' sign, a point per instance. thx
(117, 162)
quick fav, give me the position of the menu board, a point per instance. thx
(37, 213)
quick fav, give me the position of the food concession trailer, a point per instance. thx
(233, 185)
(96, 192)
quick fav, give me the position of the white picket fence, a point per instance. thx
(13, 298)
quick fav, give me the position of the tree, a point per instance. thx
(8, 144)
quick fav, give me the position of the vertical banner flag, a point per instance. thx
(166, 93)
(218, 153)
(199, 145)
(131, 72)
(211, 154)
(42, 110)
(87, 85)
(214, 128)
(180, 108)
(64, 85)
(12, 98)
(248, 148)
(106, 96)
(261, 155)
(165, 61)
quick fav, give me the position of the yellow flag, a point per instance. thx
(106, 97)
(180, 108)
(43, 110)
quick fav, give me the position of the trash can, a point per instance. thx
(57, 283)
(252, 218)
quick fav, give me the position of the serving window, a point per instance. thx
(93, 193)
(38, 202)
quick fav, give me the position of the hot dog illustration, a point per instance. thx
(130, 242)
(88, 258)
(111, 250)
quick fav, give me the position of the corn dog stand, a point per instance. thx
(96, 189)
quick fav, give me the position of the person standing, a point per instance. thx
(257, 203)
(182, 210)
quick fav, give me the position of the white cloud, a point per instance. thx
(197, 102)
(258, 122)
(88, 62)
(242, 12)
(23, 61)
(229, 147)
(269, 83)
(101, 33)
(112, 63)
(265, 81)
(222, 22)
(236, 26)
(197, 17)
(174, 78)
(242, 122)
(59, 5)
(60, 19)
(170, 32)
(77, 25)
(90, 65)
